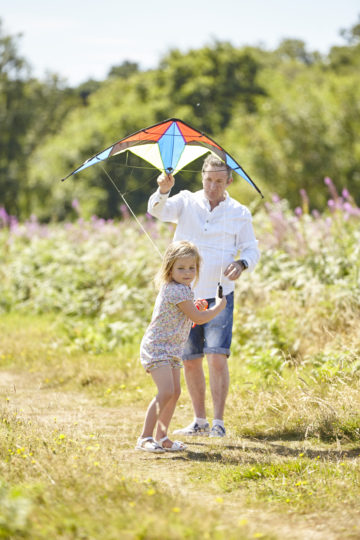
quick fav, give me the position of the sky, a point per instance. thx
(80, 39)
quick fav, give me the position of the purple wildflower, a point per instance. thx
(13, 222)
(305, 201)
(332, 205)
(76, 205)
(331, 187)
(4, 216)
(351, 210)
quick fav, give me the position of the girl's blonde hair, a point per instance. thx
(174, 251)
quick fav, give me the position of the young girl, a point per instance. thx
(164, 340)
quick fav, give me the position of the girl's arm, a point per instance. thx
(201, 317)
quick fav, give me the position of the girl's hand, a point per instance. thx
(201, 304)
(165, 182)
(220, 302)
(189, 308)
(219, 297)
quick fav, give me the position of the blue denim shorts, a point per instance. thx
(213, 337)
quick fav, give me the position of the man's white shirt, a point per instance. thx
(220, 234)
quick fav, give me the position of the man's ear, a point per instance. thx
(229, 180)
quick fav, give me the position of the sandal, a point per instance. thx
(177, 446)
(148, 444)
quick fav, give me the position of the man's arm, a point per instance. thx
(160, 205)
(249, 253)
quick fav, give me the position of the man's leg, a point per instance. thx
(195, 382)
(196, 385)
(218, 334)
(219, 382)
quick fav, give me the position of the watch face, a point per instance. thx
(244, 263)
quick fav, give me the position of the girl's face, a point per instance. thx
(184, 270)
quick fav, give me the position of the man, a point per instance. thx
(221, 228)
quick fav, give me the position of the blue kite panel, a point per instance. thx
(171, 145)
(96, 159)
(236, 167)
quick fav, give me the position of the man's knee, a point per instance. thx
(217, 362)
(194, 365)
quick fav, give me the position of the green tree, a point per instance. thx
(347, 57)
(290, 117)
(30, 112)
(124, 70)
(212, 81)
(305, 131)
(14, 118)
(295, 49)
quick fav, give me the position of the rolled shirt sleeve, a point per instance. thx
(164, 208)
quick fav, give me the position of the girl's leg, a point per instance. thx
(167, 412)
(163, 378)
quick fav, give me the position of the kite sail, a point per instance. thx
(169, 146)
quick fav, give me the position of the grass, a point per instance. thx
(74, 301)
(69, 420)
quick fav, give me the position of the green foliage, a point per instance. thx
(68, 424)
(304, 131)
(294, 482)
(75, 299)
(62, 497)
(15, 506)
(94, 271)
(290, 116)
(124, 70)
(30, 112)
(212, 82)
(98, 277)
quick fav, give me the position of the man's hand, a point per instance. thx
(234, 270)
(165, 182)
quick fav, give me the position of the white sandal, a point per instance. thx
(177, 446)
(148, 444)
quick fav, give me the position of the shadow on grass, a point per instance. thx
(235, 454)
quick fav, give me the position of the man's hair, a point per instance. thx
(213, 162)
(175, 251)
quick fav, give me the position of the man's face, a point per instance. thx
(215, 181)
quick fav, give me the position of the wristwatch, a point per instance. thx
(244, 263)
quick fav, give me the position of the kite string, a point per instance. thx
(132, 213)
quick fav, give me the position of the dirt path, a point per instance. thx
(76, 413)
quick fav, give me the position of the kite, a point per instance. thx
(168, 146)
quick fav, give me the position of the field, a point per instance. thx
(75, 299)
